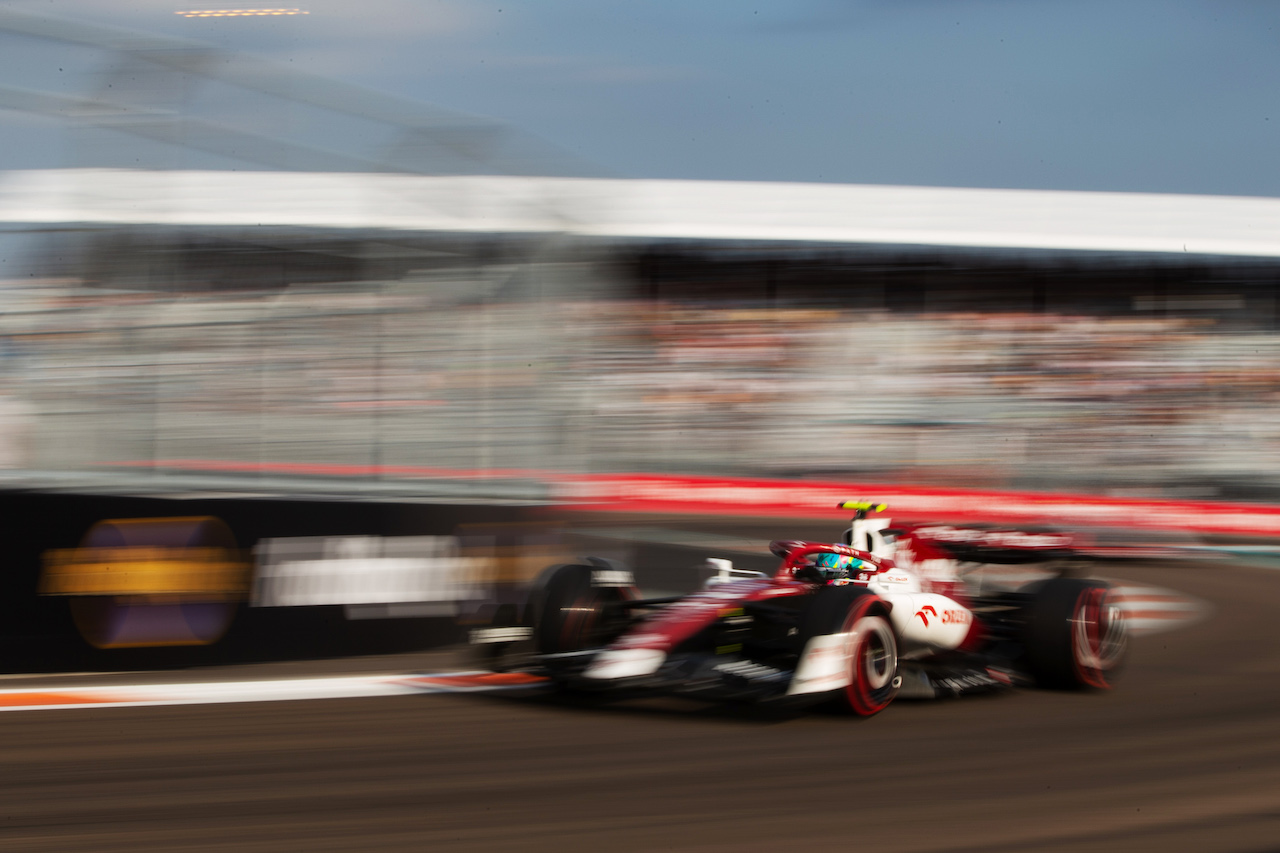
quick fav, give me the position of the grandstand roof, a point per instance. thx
(651, 209)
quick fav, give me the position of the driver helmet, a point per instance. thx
(836, 568)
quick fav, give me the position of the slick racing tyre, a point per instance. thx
(578, 607)
(870, 650)
(1075, 635)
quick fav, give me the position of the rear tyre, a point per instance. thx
(1075, 635)
(578, 607)
(870, 651)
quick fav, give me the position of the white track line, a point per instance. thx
(283, 690)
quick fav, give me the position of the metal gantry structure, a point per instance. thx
(148, 86)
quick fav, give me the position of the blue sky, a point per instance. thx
(1168, 96)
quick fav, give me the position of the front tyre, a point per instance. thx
(868, 649)
(1075, 635)
(873, 661)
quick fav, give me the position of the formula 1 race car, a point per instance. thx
(885, 614)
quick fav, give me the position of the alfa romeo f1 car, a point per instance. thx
(886, 613)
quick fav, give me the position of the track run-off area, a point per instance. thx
(1182, 756)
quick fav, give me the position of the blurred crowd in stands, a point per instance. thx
(995, 399)
(395, 376)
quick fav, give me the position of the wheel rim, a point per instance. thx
(1098, 637)
(873, 658)
(578, 625)
(877, 661)
(587, 621)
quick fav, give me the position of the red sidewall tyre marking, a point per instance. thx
(873, 657)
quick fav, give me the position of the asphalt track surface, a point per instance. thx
(1185, 755)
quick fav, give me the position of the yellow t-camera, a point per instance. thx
(864, 506)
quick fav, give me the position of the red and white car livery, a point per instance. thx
(861, 625)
